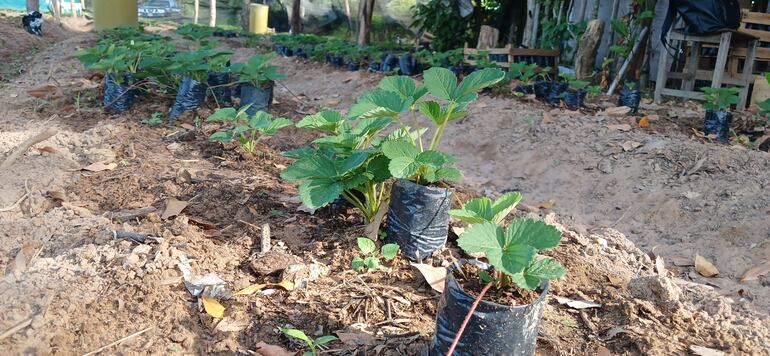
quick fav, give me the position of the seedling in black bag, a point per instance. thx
(717, 119)
(481, 210)
(371, 257)
(245, 129)
(258, 71)
(312, 344)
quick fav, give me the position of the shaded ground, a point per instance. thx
(70, 287)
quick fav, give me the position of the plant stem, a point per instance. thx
(468, 318)
(416, 124)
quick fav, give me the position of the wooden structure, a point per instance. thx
(761, 89)
(729, 42)
(505, 56)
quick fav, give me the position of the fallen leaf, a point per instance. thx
(77, 209)
(630, 145)
(546, 205)
(578, 304)
(213, 307)
(56, 195)
(755, 272)
(435, 276)
(704, 267)
(372, 229)
(173, 208)
(188, 127)
(22, 260)
(99, 166)
(332, 102)
(682, 261)
(547, 118)
(603, 351)
(614, 332)
(47, 149)
(458, 230)
(644, 122)
(202, 223)
(286, 284)
(251, 289)
(272, 350)
(45, 91)
(660, 266)
(230, 325)
(357, 338)
(705, 351)
(620, 127)
(279, 166)
(616, 111)
(615, 280)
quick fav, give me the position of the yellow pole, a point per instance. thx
(113, 13)
(258, 18)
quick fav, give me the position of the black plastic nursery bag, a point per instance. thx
(418, 218)
(219, 84)
(631, 98)
(191, 95)
(118, 97)
(259, 98)
(718, 123)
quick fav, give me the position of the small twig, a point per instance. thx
(118, 342)
(468, 318)
(23, 324)
(42, 136)
(292, 93)
(24, 196)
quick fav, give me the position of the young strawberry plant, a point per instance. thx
(481, 210)
(245, 129)
(371, 257)
(718, 118)
(312, 344)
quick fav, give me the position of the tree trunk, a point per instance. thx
(536, 16)
(196, 11)
(296, 17)
(365, 22)
(245, 8)
(33, 5)
(213, 13)
(347, 13)
(588, 46)
(595, 12)
(56, 8)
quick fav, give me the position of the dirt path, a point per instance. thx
(672, 191)
(70, 287)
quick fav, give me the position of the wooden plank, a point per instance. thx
(761, 35)
(683, 94)
(762, 53)
(691, 66)
(748, 65)
(761, 90)
(488, 36)
(719, 67)
(706, 75)
(663, 71)
(758, 18)
(534, 52)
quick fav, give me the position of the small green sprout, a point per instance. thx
(371, 259)
(312, 344)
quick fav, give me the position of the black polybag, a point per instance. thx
(219, 84)
(259, 98)
(389, 63)
(118, 97)
(353, 65)
(718, 123)
(457, 70)
(300, 52)
(408, 65)
(418, 218)
(574, 99)
(542, 88)
(525, 89)
(191, 95)
(494, 329)
(374, 66)
(630, 97)
(33, 23)
(554, 94)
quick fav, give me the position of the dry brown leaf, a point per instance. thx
(286, 284)
(56, 195)
(47, 149)
(620, 127)
(202, 223)
(682, 261)
(271, 350)
(99, 166)
(755, 272)
(213, 307)
(173, 208)
(251, 289)
(188, 127)
(705, 351)
(458, 230)
(546, 204)
(372, 229)
(21, 262)
(230, 325)
(660, 266)
(704, 267)
(615, 280)
(77, 209)
(547, 118)
(356, 338)
(616, 111)
(279, 166)
(332, 102)
(603, 351)
(435, 276)
(45, 91)
(630, 145)
(644, 122)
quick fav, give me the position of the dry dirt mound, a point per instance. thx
(70, 286)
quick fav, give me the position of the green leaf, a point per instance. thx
(308, 167)
(476, 81)
(372, 262)
(357, 263)
(354, 161)
(275, 125)
(485, 277)
(432, 111)
(475, 211)
(296, 334)
(370, 126)
(403, 167)
(538, 271)
(467, 216)
(226, 114)
(431, 158)
(378, 167)
(389, 251)
(378, 103)
(504, 206)
(325, 121)
(402, 85)
(325, 339)
(221, 136)
(319, 192)
(399, 148)
(505, 256)
(533, 233)
(441, 82)
(299, 152)
(448, 174)
(366, 245)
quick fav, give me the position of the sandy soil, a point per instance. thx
(70, 287)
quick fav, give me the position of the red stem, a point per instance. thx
(468, 318)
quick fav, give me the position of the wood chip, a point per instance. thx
(617, 111)
(173, 208)
(705, 351)
(754, 273)
(682, 261)
(704, 267)
(577, 304)
(99, 166)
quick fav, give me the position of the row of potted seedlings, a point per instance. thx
(357, 157)
(155, 65)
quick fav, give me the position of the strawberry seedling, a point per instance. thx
(371, 258)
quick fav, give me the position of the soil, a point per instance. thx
(470, 282)
(70, 287)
